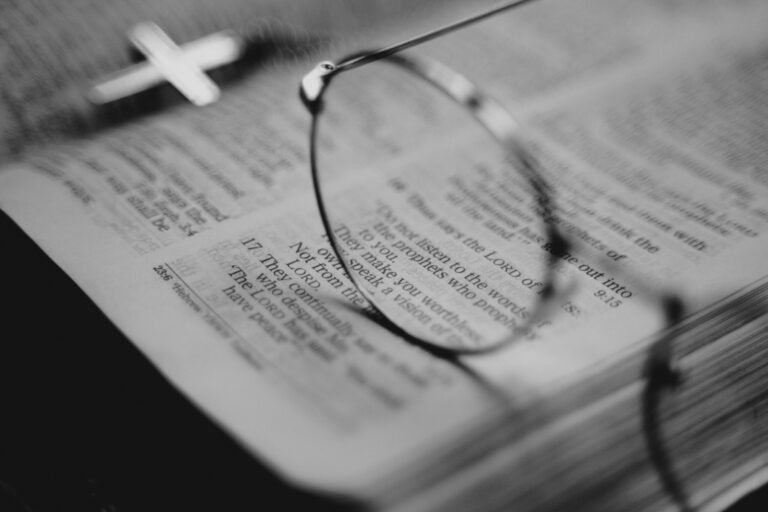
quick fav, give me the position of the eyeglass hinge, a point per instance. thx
(313, 84)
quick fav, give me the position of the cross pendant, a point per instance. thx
(182, 66)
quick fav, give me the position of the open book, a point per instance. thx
(650, 119)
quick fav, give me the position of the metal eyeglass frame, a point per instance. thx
(659, 371)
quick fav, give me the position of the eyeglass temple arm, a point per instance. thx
(314, 82)
(422, 38)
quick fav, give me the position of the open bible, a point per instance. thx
(196, 232)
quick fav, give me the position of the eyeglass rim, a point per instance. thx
(492, 116)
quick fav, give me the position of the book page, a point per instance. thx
(159, 216)
(52, 53)
(196, 232)
(655, 165)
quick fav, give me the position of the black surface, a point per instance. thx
(87, 424)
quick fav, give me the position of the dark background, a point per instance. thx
(87, 423)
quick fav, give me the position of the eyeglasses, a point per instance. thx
(437, 210)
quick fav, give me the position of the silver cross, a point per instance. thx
(182, 66)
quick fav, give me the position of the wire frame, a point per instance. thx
(659, 371)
